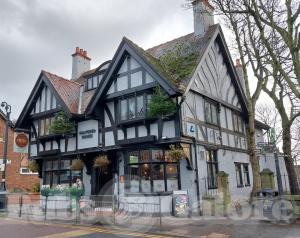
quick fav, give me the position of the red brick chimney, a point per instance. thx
(81, 62)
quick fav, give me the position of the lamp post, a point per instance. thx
(7, 109)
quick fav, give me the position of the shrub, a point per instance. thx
(160, 104)
(61, 124)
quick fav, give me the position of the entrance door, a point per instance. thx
(103, 181)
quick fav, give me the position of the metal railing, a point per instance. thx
(100, 209)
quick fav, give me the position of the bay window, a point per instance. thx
(151, 171)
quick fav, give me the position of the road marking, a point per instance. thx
(68, 234)
(115, 231)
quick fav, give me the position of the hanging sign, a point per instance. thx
(21, 141)
(180, 203)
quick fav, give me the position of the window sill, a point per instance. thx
(240, 186)
(247, 185)
(212, 188)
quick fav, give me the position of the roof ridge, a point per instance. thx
(167, 42)
(62, 78)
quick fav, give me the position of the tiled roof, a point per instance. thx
(190, 48)
(68, 90)
(84, 75)
(86, 98)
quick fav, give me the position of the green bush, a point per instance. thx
(160, 104)
(61, 124)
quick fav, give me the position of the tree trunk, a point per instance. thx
(289, 163)
(252, 153)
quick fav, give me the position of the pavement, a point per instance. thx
(172, 227)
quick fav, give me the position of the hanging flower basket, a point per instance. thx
(101, 161)
(176, 153)
(33, 166)
(77, 164)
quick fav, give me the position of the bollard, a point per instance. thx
(20, 205)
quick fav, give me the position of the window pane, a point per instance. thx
(246, 175)
(123, 67)
(145, 156)
(172, 181)
(48, 165)
(239, 179)
(158, 178)
(95, 82)
(145, 178)
(90, 83)
(122, 83)
(131, 102)
(123, 109)
(207, 112)
(134, 178)
(47, 178)
(157, 155)
(65, 164)
(136, 79)
(55, 175)
(140, 106)
(65, 177)
(55, 165)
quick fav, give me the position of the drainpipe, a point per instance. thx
(197, 176)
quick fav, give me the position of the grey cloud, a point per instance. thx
(38, 34)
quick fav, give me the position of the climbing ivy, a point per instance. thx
(160, 104)
(61, 124)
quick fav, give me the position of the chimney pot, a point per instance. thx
(84, 53)
(81, 51)
(238, 63)
(77, 50)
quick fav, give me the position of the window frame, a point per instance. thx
(212, 162)
(211, 104)
(58, 170)
(244, 175)
(152, 163)
(239, 173)
(127, 107)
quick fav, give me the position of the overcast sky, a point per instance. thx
(39, 34)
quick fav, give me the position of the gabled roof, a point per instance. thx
(68, 90)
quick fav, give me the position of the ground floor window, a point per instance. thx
(242, 174)
(151, 171)
(58, 171)
(212, 168)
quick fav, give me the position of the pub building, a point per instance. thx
(109, 107)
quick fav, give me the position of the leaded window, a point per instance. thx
(58, 171)
(132, 107)
(151, 171)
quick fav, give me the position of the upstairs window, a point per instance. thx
(44, 126)
(237, 122)
(93, 82)
(211, 112)
(133, 107)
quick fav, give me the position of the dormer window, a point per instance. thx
(93, 82)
